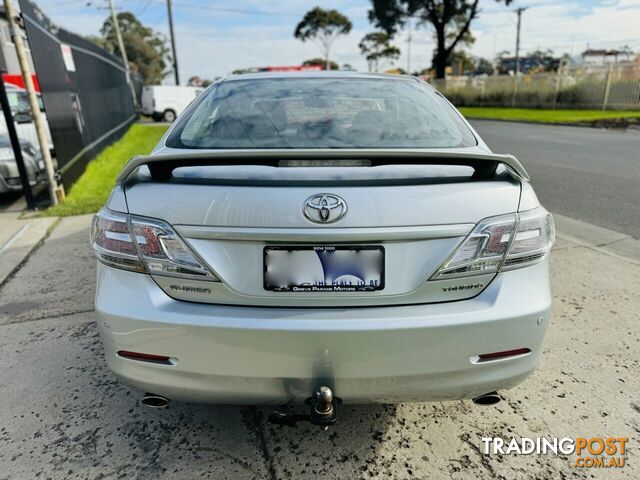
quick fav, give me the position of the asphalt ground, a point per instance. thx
(588, 174)
(64, 416)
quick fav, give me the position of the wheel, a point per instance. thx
(169, 116)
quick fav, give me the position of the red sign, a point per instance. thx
(18, 81)
(291, 68)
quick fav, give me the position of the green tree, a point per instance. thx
(451, 21)
(484, 66)
(323, 27)
(376, 46)
(241, 71)
(97, 40)
(462, 63)
(146, 49)
(545, 59)
(322, 62)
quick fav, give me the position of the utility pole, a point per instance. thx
(54, 190)
(173, 42)
(519, 12)
(123, 52)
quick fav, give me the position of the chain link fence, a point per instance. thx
(607, 87)
(84, 88)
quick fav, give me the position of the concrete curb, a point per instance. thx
(598, 238)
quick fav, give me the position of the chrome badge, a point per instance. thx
(324, 208)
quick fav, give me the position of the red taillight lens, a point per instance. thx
(114, 235)
(164, 252)
(145, 357)
(112, 242)
(144, 245)
(506, 353)
(147, 240)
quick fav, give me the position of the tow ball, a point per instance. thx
(322, 410)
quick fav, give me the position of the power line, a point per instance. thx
(228, 10)
(160, 18)
(140, 11)
(243, 11)
(507, 13)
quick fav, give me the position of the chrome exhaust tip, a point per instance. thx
(151, 400)
(490, 398)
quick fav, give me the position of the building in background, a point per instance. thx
(528, 64)
(605, 57)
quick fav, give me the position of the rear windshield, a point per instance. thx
(321, 113)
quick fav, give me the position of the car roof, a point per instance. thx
(319, 74)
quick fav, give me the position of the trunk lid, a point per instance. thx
(233, 217)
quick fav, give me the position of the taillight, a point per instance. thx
(163, 251)
(534, 238)
(501, 243)
(112, 242)
(143, 245)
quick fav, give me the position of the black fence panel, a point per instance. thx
(84, 89)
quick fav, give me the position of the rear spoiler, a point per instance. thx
(161, 166)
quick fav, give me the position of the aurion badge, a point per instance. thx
(324, 208)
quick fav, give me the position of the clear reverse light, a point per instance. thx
(143, 245)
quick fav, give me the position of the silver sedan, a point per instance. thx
(330, 237)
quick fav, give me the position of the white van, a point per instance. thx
(25, 128)
(166, 102)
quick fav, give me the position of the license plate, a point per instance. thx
(324, 268)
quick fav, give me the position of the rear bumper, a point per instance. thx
(231, 354)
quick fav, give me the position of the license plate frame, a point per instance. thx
(334, 288)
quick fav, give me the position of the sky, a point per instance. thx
(215, 37)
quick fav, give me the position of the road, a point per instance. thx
(64, 415)
(585, 173)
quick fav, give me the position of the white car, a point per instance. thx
(330, 237)
(23, 118)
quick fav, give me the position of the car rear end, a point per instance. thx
(258, 275)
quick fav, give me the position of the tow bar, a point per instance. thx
(322, 411)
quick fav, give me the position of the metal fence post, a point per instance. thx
(592, 86)
(607, 87)
(38, 122)
(557, 89)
